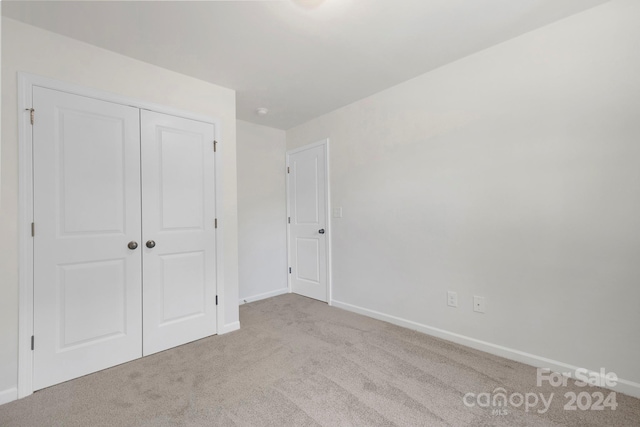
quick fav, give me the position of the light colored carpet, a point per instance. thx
(299, 362)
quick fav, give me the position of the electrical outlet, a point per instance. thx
(478, 304)
(452, 299)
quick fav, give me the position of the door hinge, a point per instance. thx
(289, 270)
(215, 145)
(216, 299)
(33, 229)
(32, 114)
(289, 220)
(32, 342)
(215, 223)
(288, 170)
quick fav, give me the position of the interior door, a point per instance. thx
(179, 234)
(87, 277)
(308, 222)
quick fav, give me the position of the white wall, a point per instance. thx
(262, 245)
(26, 48)
(512, 174)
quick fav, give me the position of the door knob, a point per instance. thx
(132, 245)
(321, 231)
(151, 244)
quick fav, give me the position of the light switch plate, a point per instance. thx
(337, 212)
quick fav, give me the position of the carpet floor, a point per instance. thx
(299, 362)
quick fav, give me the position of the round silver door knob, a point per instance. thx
(132, 245)
(151, 244)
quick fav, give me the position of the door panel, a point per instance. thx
(306, 205)
(307, 202)
(307, 257)
(183, 286)
(91, 174)
(178, 192)
(93, 290)
(181, 179)
(87, 283)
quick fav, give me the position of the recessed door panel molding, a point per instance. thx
(92, 290)
(178, 197)
(308, 231)
(307, 204)
(182, 165)
(91, 176)
(86, 281)
(307, 266)
(183, 286)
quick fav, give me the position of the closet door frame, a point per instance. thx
(26, 83)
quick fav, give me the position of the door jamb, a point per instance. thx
(26, 82)
(329, 232)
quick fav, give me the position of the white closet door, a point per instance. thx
(307, 207)
(87, 282)
(178, 192)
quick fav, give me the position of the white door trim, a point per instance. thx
(322, 143)
(26, 82)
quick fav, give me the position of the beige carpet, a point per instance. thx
(298, 362)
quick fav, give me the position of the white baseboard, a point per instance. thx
(8, 395)
(623, 386)
(264, 296)
(229, 327)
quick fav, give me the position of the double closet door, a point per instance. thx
(124, 234)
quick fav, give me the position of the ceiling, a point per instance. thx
(298, 58)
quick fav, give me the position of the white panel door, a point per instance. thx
(87, 282)
(307, 229)
(179, 236)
